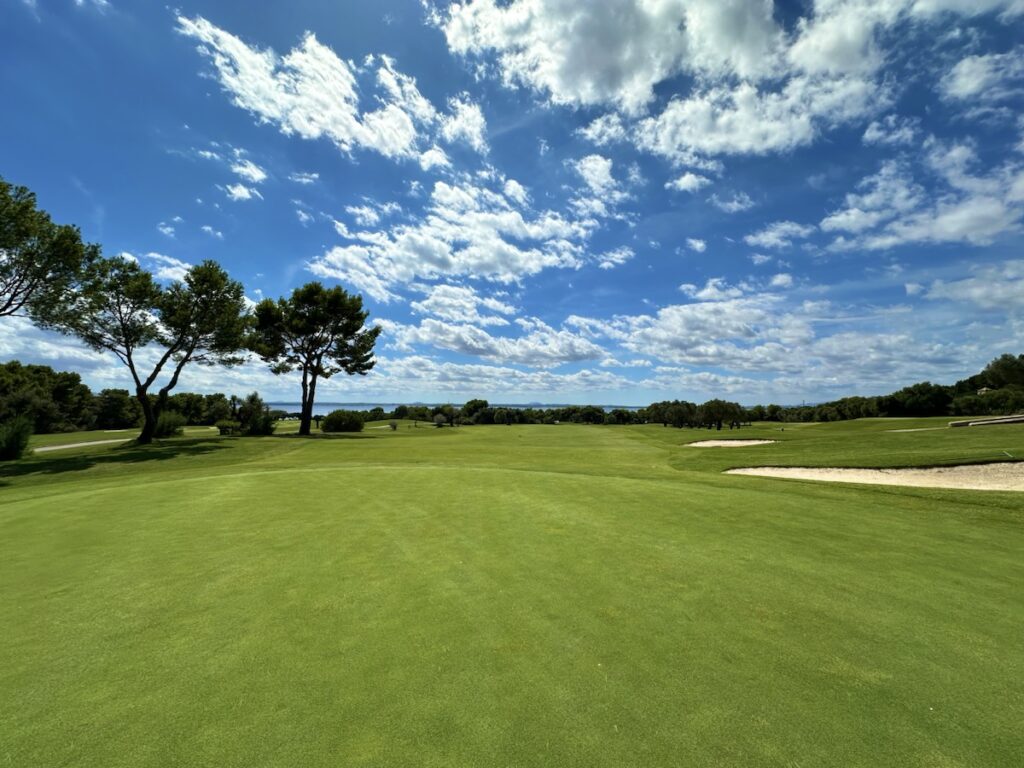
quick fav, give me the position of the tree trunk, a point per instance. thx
(149, 415)
(306, 414)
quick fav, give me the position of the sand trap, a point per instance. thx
(1005, 476)
(728, 443)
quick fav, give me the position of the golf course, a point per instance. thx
(530, 595)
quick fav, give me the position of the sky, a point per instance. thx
(547, 200)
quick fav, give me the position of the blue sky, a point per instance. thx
(543, 200)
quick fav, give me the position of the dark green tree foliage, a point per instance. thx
(117, 409)
(117, 307)
(342, 421)
(318, 332)
(168, 424)
(54, 401)
(14, 436)
(254, 417)
(38, 259)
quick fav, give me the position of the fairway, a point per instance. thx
(511, 596)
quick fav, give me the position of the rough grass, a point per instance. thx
(509, 596)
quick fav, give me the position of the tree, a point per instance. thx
(38, 259)
(54, 401)
(317, 331)
(117, 307)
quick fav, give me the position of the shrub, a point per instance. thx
(440, 420)
(393, 425)
(342, 421)
(255, 417)
(228, 427)
(14, 436)
(169, 424)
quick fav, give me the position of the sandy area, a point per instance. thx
(1005, 476)
(728, 443)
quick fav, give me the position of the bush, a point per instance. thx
(228, 427)
(14, 436)
(169, 424)
(393, 425)
(255, 417)
(342, 421)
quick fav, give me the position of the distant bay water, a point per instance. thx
(320, 409)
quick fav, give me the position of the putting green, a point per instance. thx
(560, 595)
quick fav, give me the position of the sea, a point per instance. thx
(321, 409)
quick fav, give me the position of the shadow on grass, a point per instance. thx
(47, 464)
(332, 436)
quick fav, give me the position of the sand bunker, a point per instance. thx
(728, 443)
(1006, 476)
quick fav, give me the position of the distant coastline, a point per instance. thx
(327, 407)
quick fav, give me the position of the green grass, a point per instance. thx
(510, 596)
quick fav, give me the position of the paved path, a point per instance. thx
(76, 445)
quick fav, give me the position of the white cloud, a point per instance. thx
(688, 182)
(696, 245)
(596, 172)
(779, 234)
(613, 53)
(604, 130)
(214, 233)
(249, 171)
(465, 123)
(746, 120)
(715, 289)
(999, 287)
(302, 177)
(739, 202)
(540, 346)
(466, 230)
(462, 304)
(781, 280)
(892, 130)
(312, 93)
(304, 218)
(241, 192)
(989, 77)
(759, 259)
(615, 258)
(894, 210)
(166, 267)
(165, 229)
(434, 157)
(516, 192)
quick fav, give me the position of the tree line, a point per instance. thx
(114, 306)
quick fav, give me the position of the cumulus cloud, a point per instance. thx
(248, 171)
(607, 129)
(549, 46)
(737, 203)
(688, 182)
(302, 177)
(892, 209)
(994, 287)
(539, 346)
(214, 233)
(312, 93)
(466, 230)
(989, 77)
(465, 123)
(616, 257)
(462, 304)
(696, 245)
(892, 130)
(779, 234)
(241, 192)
